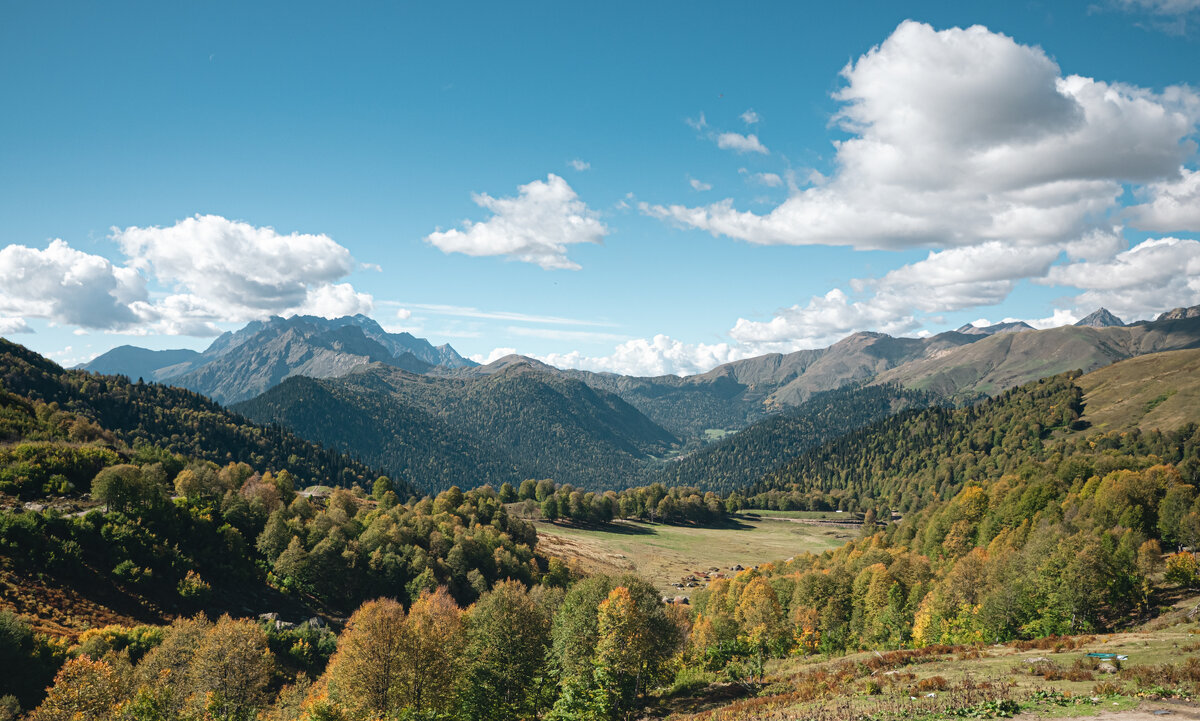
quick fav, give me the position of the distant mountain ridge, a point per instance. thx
(456, 422)
(966, 362)
(998, 362)
(242, 364)
(995, 329)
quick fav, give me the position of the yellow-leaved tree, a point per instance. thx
(761, 619)
(83, 690)
(366, 672)
(431, 652)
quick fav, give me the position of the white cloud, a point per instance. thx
(579, 165)
(1058, 318)
(660, 355)
(1152, 276)
(12, 326)
(771, 180)
(232, 271)
(1173, 205)
(67, 286)
(960, 278)
(495, 355)
(699, 185)
(699, 123)
(335, 300)
(822, 321)
(741, 143)
(535, 227)
(750, 117)
(216, 271)
(964, 136)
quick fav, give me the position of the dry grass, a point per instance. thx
(664, 554)
(1161, 390)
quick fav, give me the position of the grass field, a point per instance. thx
(1161, 390)
(663, 554)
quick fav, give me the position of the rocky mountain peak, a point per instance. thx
(1100, 318)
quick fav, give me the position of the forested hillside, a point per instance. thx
(1018, 522)
(741, 459)
(504, 427)
(1014, 526)
(175, 420)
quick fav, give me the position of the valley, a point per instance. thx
(665, 554)
(935, 550)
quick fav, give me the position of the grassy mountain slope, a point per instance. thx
(1003, 361)
(1161, 391)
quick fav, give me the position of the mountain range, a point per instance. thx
(429, 416)
(240, 365)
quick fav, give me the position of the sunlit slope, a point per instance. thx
(1156, 391)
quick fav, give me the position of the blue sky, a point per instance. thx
(636, 187)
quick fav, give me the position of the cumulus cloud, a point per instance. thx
(537, 226)
(699, 185)
(741, 143)
(579, 165)
(335, 300)
(242, 271)
(964, 136)
(215, 270)
(660, 355)
(12, 326)
(1137, 283)
(960, 278)
(495, 355)
(1173, 205)
(67, 286)
(750, 117)
(821, 321)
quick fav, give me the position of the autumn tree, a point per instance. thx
(366, 673)
(635, 639)
(761, 618)
(230, 670)
(83, 690)
(431, 652)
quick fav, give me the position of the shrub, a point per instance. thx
(194, 589)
